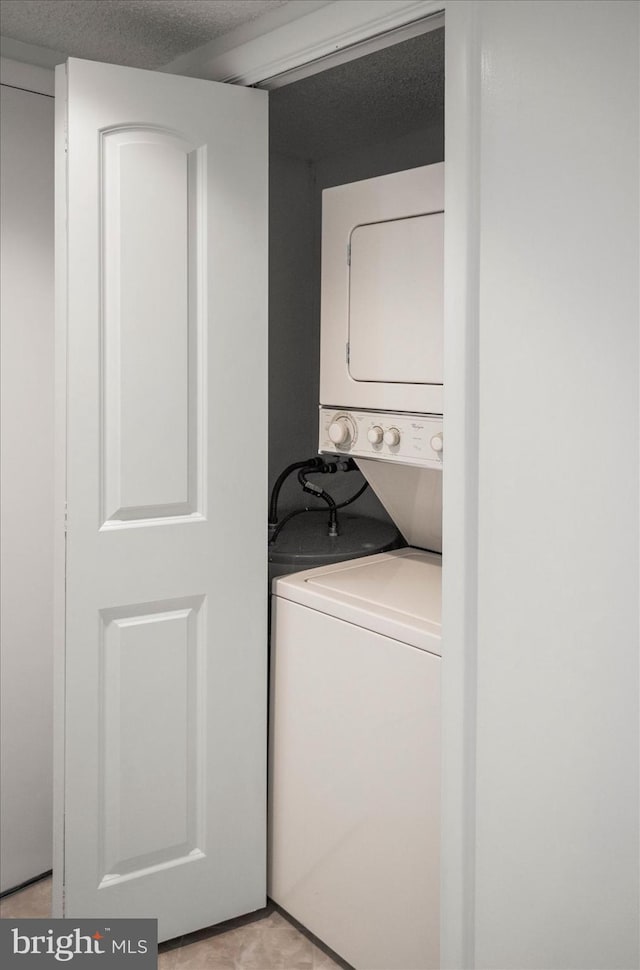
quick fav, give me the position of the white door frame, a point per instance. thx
(342, 24)
(323, 32)
(60, 508)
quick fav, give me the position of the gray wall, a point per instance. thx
(293, 338)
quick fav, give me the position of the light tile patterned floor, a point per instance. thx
(34, 902)
(269, 942)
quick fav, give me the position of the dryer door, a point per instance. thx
(382, 293)
(396, 300)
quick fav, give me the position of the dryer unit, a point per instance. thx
(381, 340)
(382, 293)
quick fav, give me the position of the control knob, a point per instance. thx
(391, 437)
(375, 434)
(340, 431)
(436, 442)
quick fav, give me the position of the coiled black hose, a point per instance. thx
(315, 465)
(280, 480)
(315, 508)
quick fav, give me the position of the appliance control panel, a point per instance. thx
(409, 439)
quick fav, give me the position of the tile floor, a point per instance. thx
(268, 942)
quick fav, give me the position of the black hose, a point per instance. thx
(316, 464)
(290, 515)
(320, 493)
(315, 508)
(348, 501)
(280, 480)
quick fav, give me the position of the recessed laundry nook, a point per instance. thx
(354, 792)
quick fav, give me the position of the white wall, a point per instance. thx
(557, 757)
(27, 497)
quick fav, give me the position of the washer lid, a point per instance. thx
(396, 594)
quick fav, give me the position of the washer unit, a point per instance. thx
(355, 755)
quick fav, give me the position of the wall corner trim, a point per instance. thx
(28, 77)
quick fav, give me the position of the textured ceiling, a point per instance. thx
(371, 99)
(137, 33)
(374, 98)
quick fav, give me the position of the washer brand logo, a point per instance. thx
(28, 943)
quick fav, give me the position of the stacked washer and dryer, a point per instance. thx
(355, 673)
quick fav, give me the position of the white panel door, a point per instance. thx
(165, 661)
